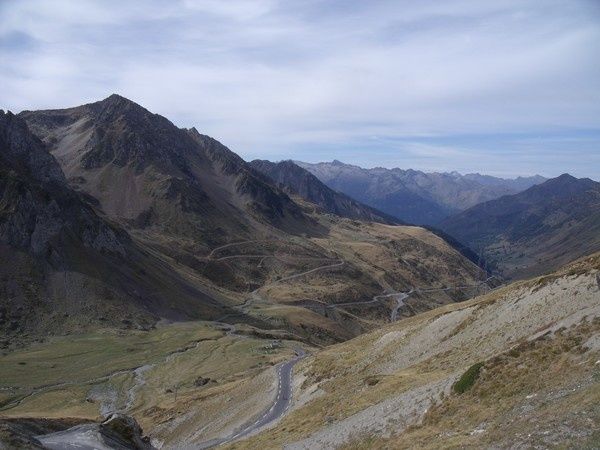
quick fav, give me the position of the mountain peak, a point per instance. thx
(566, 177)
(116, 98)
(116, 102)
(561, 181)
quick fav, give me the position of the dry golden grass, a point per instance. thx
(443, 343)
(520, 396)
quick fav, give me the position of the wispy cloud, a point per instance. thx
(277, 79)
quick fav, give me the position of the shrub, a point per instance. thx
(514, 352)
(467, 380)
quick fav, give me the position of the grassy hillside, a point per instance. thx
(154, 375)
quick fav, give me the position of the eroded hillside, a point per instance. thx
(527, 357)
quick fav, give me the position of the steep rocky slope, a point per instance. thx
(151, 175)
(534, 231)
(515, 368)
(412, 195)
(63, 266)
(298, 181)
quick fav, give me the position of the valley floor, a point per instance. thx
(160, 377)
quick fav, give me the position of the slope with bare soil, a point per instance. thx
(396, 387)
(64, 266)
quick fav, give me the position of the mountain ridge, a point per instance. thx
(301, 182)
(536, 230)
(145, 171)
(411, 195)
(70, 267)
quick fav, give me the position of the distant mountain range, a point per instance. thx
(414, 196)
(298, 181)
(534, 231)
(544, 225)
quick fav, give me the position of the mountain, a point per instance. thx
(517, 184)
(150, 175)
(536, 230)
(148, 270)
(227, 238)
(298, 181)
(415, 196)
(62, 265)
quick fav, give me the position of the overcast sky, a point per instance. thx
(505, 87)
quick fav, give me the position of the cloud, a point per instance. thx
(294, 78)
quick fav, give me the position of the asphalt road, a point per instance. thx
(87, 437)
(283, 399)
(277, 409)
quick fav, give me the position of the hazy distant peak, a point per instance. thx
(566, 177)
(565, 184)
(412, 195)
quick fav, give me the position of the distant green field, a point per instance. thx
(80, 358)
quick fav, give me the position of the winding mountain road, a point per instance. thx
(85, 437)
(340, 263)
(401, 296)
(276, 410)
(231, 244)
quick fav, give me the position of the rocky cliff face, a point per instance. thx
(62, 264)
(39, 213)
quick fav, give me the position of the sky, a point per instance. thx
(502, 87)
